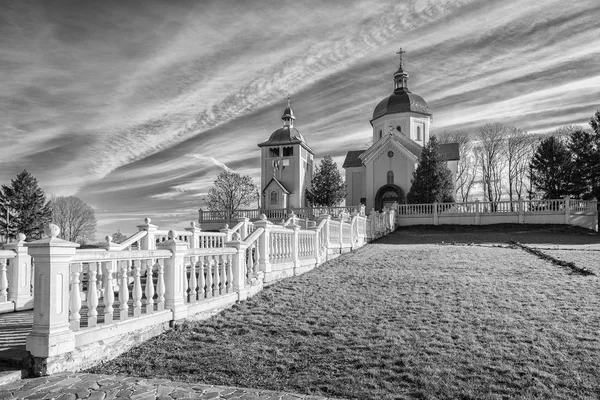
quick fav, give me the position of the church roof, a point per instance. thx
(276, 182)
(286, 135)
(402, 100)
(448, 151)
(352, 159)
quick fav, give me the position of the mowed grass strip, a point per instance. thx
(394, 322)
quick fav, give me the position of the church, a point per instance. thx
(376, 177)
(381, 175)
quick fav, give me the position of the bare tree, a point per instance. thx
(467, 165)
(490, 152)
(75, 218)
(232, 192)
(517, 153)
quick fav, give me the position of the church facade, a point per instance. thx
(382, 174)
(286, 166)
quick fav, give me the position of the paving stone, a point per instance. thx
(165, 390)
(144, 396)
(97, 396)
(66, 396)
(112, 394)
(38, 395)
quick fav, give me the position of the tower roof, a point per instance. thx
(401, 100)
(287, 134)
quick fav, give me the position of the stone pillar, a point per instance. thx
(239, 266)
(19, 275)
(436, 220)
(295, 247)
(477, 212)
(567, 210)
(264, 264)
(51, 335)
(195, 238)
(149, 241)
(175, 275)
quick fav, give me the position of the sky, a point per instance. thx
(136, 106)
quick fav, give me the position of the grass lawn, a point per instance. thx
(392, 322)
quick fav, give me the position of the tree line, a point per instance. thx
(507, 162)
(24, 208)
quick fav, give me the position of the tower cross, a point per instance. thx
(289, 100)
(400, 54)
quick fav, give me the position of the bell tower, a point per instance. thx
(286, 166)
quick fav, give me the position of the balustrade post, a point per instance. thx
(436, 220)
(19, 275)
(228, 232)
(195, 238)
(174, 274)
(477, 212)
(148, 242)
(521, 211)
(239, 266)
(295, 247)
(264, 263)
(244, 227)
(317, 244)
(51, 335)
(567, 210)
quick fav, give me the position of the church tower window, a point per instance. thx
(274, 199)
(274, 152)
(419, 132)
(390, 177)
(380, 133)
(288, 151)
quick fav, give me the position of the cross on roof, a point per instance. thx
(289, 100)
(400, 54)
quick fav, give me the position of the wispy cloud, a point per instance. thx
(136, 106)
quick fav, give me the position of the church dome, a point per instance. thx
(402, 100)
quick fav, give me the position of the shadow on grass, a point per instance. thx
(499, 233)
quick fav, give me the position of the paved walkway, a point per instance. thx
(107, 387)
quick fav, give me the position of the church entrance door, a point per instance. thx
(387, 195)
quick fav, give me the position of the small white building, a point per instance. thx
(286, 166)
(382, 174)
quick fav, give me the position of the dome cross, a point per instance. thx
(400, 55)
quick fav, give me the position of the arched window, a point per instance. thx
(390, 177)
(274, 199)
(380, 133)
(419, 132)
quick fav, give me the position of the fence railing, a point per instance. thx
(555, 211)
(280, 213)
(83, 298)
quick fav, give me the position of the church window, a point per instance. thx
(390, 177)
(288, 151)
(274, 199)
(419, 132)
(274, 151)
(380, 133)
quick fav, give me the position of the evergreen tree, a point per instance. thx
(26, 205)
(585, 149)
(327, 187)
(432, 180)
(552, 169)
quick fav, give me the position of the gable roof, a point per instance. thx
(352, 159)
(276, 182)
